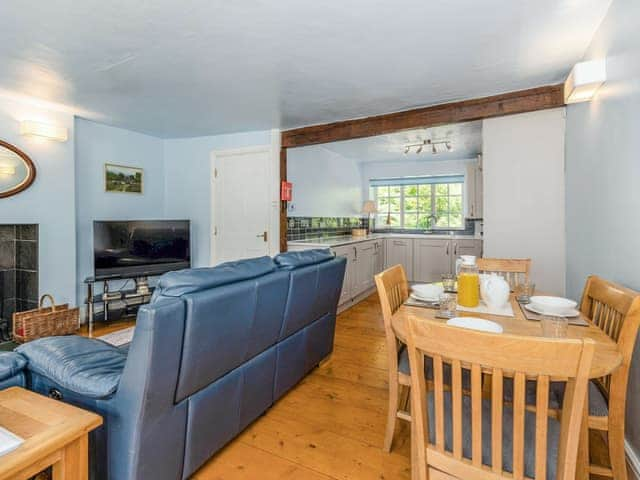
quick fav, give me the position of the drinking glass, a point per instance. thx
(524, 291)
(554, 326)
(448, 305)
(448, 282)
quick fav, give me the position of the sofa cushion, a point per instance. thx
(293, 260)
(11, 364)
(85, 366)
(178, 283)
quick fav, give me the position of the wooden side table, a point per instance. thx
(55, 434)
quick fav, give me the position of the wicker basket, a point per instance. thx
(45, 321)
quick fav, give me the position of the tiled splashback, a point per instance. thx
(299, 228)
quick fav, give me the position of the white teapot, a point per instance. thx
(494, 290)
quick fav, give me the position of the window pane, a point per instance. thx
(383, 191)
(394, 204)
(411, 190)
(410, 220)
(395, 190)
(455, 189)
(455, 205)
(455, 221)
(443, 221)
(395, 220)
(441, 189)
(381, 221)
(424, 221)
(424, 204)
(410, 204)
(382, 203)
(442, 205)
(425, 190)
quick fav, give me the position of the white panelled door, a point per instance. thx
(241, 204)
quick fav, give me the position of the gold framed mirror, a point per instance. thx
(17, 171)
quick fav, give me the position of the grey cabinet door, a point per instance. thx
(400, 251)
(348, 252)
(431, 259)
(378, 256)
(365, 267)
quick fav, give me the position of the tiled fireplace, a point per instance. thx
(18, 272)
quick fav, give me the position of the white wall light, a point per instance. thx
(7, 171)
(38, 129)
(584, 80)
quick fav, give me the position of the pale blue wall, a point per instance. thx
(49, 202)
(602, 174)
(97, 144)
(188, 182)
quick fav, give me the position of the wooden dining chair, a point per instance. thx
(616, 311)
(512, 269)
(468, 437)
(393, 290)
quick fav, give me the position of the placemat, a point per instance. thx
(505, 311)
(529, 315)
(412, 302)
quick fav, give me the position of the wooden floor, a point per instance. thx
(331, 425)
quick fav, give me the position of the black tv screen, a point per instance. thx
(140, 247)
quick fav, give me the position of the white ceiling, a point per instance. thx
(194, 67)
(465, 138)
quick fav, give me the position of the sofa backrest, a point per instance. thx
(237, 310)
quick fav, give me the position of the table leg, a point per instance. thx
(582, 462)
(74, 464)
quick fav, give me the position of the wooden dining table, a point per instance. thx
(607, 357)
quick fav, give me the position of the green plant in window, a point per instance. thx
(411, 190)
(395, 190)
(442, 189)
(425, 190)
(394, 204)
(410, 204)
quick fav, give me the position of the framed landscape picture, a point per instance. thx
(122, 179)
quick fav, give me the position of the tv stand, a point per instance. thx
(129, 299)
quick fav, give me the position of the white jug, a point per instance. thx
(494, 290)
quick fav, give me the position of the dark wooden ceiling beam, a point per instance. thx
(522, 101)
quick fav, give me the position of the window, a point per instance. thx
(421, 203)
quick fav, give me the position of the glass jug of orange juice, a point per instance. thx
(468, 282)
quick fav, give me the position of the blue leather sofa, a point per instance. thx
(214, 349)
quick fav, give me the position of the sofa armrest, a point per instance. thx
(86, 366)
(11, 367)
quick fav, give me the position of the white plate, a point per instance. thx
(427, 291)
(421, 299)
(569, 312)
(475, 323)
(552, 304)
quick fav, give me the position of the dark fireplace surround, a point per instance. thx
(18, 272)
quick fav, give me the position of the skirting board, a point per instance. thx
(632, 460)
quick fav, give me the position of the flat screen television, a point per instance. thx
(138, 248)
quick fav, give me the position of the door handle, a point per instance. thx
(263, 235)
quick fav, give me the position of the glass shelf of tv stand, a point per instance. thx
(128, 299)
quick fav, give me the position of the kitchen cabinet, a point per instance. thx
(431, 258)
(475, 188)
(365, 254)
(379, 256)
(400, 251)
(348, 252)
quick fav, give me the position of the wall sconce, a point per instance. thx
(7, 171)
(584, 80)
(38, 129)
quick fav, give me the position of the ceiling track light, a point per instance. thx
(436, 147)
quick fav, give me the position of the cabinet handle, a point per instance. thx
(400, 244)
(455, 249)
(355, 253)
(447, 249)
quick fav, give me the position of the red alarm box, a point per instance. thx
(286, 189)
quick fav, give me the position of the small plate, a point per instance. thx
(424, 300)
(475, 323)
(8, 441)
(553, 304)
(427, 291)
(569, 312)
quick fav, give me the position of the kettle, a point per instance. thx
(494, 290)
